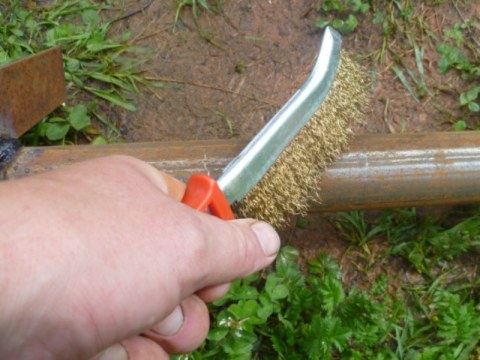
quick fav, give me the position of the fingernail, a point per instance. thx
(268, 238)
(171, 324)
(115, 352)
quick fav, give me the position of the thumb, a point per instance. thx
(215, 292)
(225, 251)
(214, 251)
(265, 234)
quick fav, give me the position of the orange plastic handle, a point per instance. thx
(204, 194)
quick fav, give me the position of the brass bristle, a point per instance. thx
(292, 182)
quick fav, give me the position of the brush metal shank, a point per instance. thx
(245, 171)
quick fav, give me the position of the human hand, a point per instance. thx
(103, 253)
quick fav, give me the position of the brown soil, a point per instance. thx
(241, 65)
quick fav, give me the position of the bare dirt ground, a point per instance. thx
(226, 74)
(241, 65)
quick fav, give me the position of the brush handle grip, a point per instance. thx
(204, 194)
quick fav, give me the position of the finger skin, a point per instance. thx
(213, 293)
(98, 252)
(136, 348)
(143, 348)
(191, 334)
(225, 251)
(193, 331)
(166, 183)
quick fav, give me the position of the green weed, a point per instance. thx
(294, 312)
(291, 312)
(419, 239)
(457, 54)
(460, 125)
(399, 20)
(193, 4)
(458, 50)
(356, 229)
(291, 315)
(423, 242)
(97, 66)
(311, 313)
(470, 99)
(227, 120)
(342, 14)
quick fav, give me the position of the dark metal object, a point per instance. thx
(378, 171)
(30, 89)
(8, 150)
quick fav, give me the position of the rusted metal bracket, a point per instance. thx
(378, 171)
(30, 89)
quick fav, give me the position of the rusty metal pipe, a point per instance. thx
(378, 171)
(403, 170)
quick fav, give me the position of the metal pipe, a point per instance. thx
(404, 170)
(378, 171)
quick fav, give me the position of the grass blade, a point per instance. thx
(399, 73)
(113, 80)
(419, 53)
(112, 97)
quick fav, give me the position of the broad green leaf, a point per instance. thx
(265, 311)
(91, 17)
(73, 65)
(337, 23)
(351, 23)
(57, 131)
(472, 94)
(450, 57)
(99, 140)
(279, 292)
(289, 253)
(473, 107)
(244, 309)
(333, 294)
(322, 23)
(78, 117)
(464, 99)
(217, 334)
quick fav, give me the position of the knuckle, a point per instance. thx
(121, 161)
